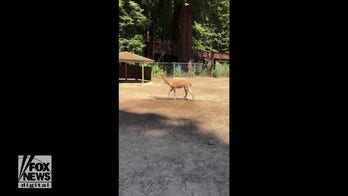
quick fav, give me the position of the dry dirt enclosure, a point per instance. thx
(174, 148)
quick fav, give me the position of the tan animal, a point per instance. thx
(177, 83)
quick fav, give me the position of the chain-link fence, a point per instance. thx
(176, 69)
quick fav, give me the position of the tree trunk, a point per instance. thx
(151, 32)
(182, 30)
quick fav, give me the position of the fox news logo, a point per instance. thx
(35, 171)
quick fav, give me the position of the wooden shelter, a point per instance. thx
(124, 58)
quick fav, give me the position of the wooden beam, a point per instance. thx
(142, 73)
(126, 70)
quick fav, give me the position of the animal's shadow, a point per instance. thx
(170, 98)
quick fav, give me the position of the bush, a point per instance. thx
(221, 70)
(203, 73)
(148, 64)
(156, 70)
(215, 73)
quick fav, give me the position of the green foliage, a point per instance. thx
(221, 70)
(148, 64)
(177, 70)
(159, 13)
(132, 25)
(201, 36)
(211, 25)
(183, 74)
(134, 44)
(203, 73)
(156, 70)
(215, 73)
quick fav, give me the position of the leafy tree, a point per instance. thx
(211, 25)
(159, 13)
(132, 24)
(202, 25)
(202, 36)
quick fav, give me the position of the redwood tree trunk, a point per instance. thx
(182, 30)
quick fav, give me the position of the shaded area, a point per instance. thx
(123, 80)
(134, 71)
(165, 156)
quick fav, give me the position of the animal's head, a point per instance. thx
(162, 75)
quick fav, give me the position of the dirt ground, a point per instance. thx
(174, 148)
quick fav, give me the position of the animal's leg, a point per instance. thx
(185, 93)
(174, 94)
(191, 94)
(169, 92)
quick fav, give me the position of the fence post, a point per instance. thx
(194, 69)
